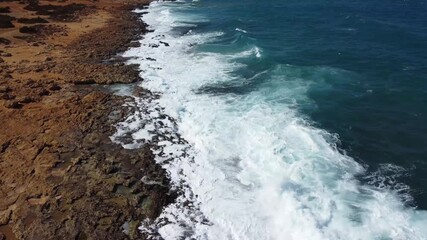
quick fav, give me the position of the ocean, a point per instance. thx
(286, 119)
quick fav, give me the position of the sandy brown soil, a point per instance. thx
(61, 177)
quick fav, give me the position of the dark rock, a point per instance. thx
(13, 104)
(84, 81)
(4, 41)
(43, 92)
(134, 44)
(6, 76)
(4, 9)
(6, 21)
(32, 20)
(7, 96)
(165, 43)
(55, 87)
(65, 13)
(26, 99)
(30, 30)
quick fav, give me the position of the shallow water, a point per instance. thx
(289, 119)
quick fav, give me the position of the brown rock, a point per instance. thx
(7, 96)
(13, 104)
(5, 54)
(5, 89)
(43, 92)
(37, 201)
(26, 99)
(5, 217)
(60, 146)
(4, 41)
(55, 87)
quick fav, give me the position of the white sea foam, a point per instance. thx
(241, 30)
(254, 51)
(250, 167)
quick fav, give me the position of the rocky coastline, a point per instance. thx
(61, 176)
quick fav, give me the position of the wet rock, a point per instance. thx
(84, 81)
(165, 43)
(134, 44)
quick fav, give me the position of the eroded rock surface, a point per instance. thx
(61, 176)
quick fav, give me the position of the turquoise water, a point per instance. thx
(301, 119)
(365, 62)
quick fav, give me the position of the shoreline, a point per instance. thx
(61, 175)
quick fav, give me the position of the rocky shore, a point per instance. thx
(61, 177)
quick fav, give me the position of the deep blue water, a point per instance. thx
(365, 63)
